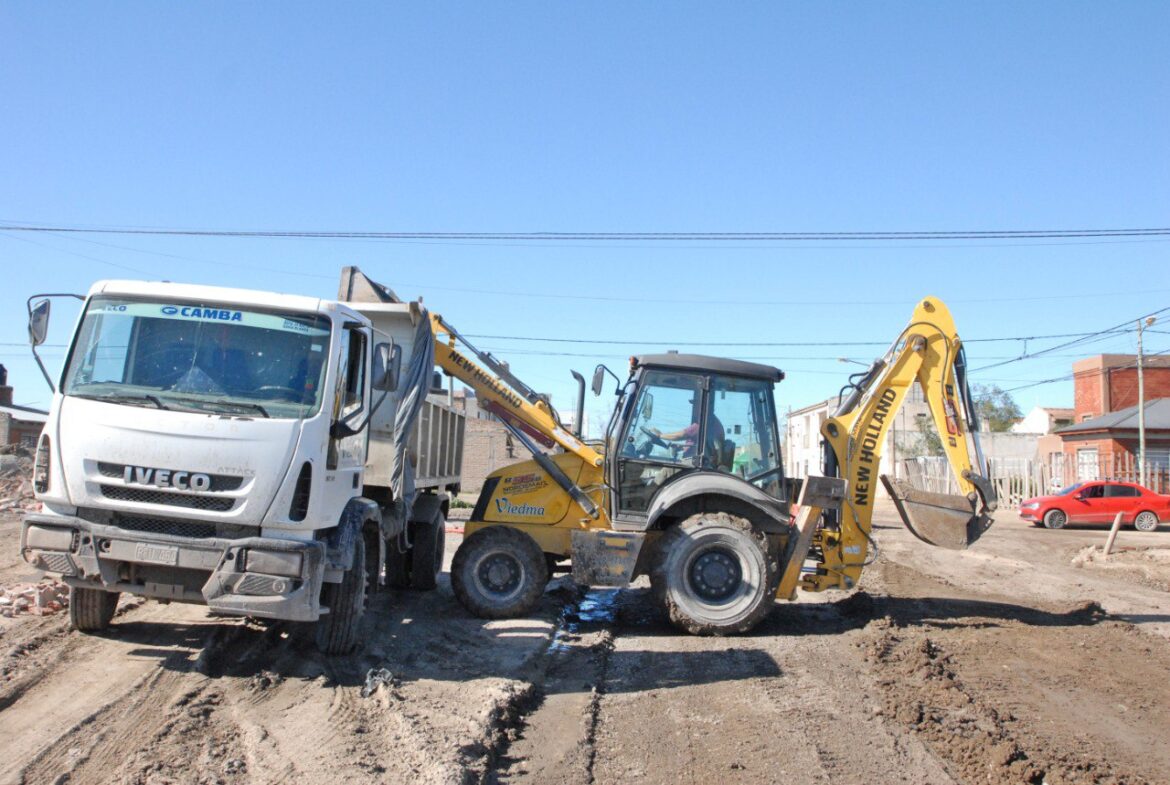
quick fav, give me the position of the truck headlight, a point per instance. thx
(285, 563)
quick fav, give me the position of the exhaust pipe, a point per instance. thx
(942, 519)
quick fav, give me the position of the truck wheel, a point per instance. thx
(397, 564)
(337, 631)
(426, 558)
(91, 610)
(714, 575)
(1146, 521)
(1055, 519)
(499, 572)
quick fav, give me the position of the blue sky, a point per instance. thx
(607, 117)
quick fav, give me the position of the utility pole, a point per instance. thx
(1142, 323)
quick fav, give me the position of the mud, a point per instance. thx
(1007, 663)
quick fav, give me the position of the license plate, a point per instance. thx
(157, 554)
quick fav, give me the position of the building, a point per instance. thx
(1108, 383)
(19, 425)
(1044, 419)
(1107, 446)
(1102, 442)
(802, 434)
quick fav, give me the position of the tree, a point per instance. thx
(995, 407)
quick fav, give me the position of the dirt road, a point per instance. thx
(1004, 664)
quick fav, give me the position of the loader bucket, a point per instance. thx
(943, 519)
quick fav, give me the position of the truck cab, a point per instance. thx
(210, 445)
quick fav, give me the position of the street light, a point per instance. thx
(1142, 324)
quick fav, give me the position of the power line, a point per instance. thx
(1073, 375)
(558, 236)
(1090, 337)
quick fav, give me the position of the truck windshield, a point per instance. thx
(199, 357)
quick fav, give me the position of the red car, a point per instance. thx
(1098, 502)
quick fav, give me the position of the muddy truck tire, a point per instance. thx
(397, 563)
(337, 631)
(713, 575)
(91, 610)
(426, 557)
(499, 572)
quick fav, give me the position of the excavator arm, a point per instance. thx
(518, 406)
(930, 354)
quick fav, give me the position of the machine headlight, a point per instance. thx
(1030, 506)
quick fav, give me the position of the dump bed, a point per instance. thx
(435, 446)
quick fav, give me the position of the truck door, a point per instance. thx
(347, 454)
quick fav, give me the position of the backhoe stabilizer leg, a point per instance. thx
(942, 519)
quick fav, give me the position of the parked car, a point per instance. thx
(1098, 502)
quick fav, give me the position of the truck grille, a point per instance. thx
(174, 528)
(219, 482)
(190, 501)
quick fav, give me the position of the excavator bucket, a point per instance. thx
(943, 519)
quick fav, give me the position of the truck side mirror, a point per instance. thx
(387, 367)
(598, 380)
(38, 322)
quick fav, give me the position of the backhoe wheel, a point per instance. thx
(91, 610)
(1146, 521)
(499, 572)
(426, 557)
(1055, 519)
(714, 575)
(337, 631)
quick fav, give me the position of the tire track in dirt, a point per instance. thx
(999, 690)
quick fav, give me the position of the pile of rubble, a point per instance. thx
(36, 599)
(16, 491)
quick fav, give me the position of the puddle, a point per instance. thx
(596, 607)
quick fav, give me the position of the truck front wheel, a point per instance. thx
(91, 610)
(337, 631)
(499, 572)
(714, 575)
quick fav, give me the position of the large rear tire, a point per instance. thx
(337, 631)
(426, 558)
(714, 575)
(91, 610)
(498, 573)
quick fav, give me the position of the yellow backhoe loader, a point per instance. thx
(688, 486)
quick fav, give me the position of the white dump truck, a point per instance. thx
(264, 454)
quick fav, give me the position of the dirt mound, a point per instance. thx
(922, 690)
(1147, 566)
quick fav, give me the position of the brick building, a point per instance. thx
(487, 445)
(1103, 440)
(1108, 383)
(18, 424)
